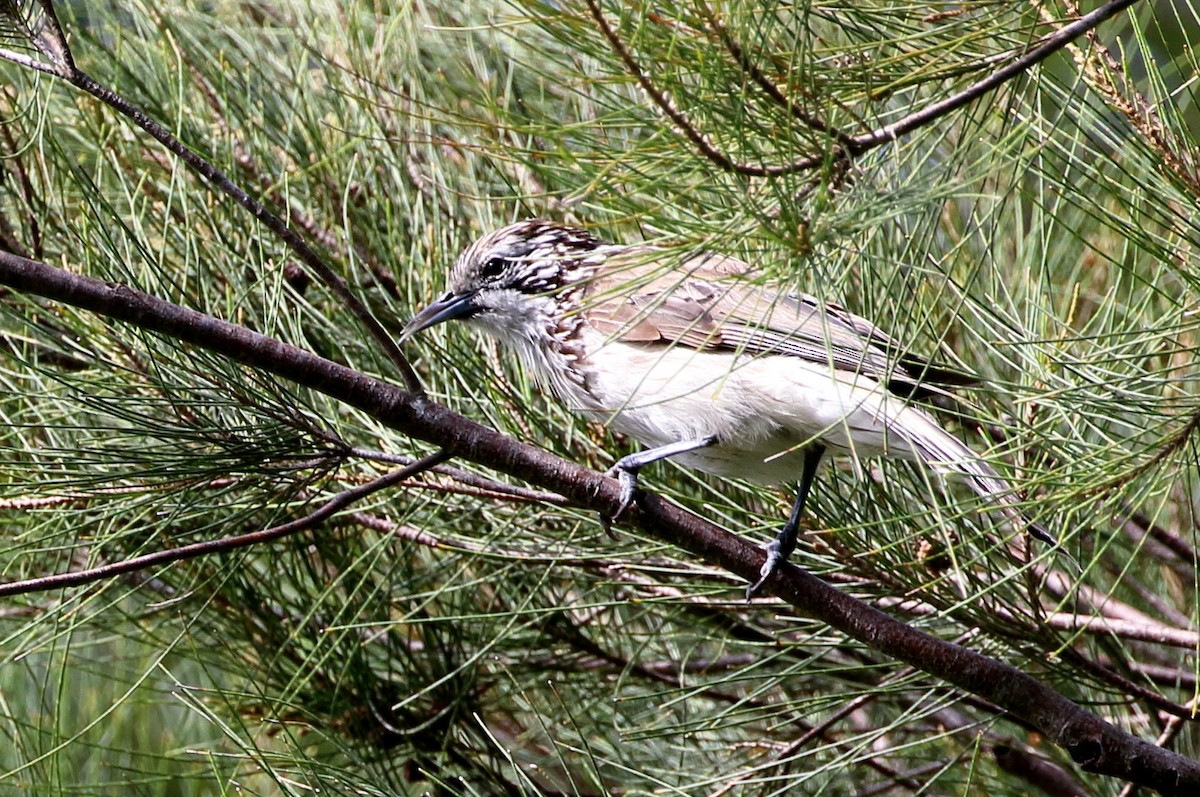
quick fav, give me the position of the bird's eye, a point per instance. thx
(493, 267)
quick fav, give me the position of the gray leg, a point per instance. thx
(780, 548)
(626, 469)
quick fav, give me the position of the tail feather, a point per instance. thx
(988, 484)
(948, 455)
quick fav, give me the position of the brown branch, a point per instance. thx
(1152, 631)
(1172, 729)
(324, 512)
(1048, 778)
(864, 142)
(48, 37)
(768, 87)
(1093, 743)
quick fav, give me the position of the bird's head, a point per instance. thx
(511, 282)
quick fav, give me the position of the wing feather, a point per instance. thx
(707, 303)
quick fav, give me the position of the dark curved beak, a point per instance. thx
(447, 308)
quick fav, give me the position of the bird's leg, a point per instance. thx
(626, 470)
(780, 548)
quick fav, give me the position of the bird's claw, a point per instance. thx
(628, 479)
(774, 560)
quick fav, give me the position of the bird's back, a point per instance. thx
(711, 302)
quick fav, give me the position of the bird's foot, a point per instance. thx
(626, 469)
(628, 478)
(775, 558)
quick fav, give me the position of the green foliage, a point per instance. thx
(445, 637)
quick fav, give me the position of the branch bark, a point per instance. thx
(1093, 743)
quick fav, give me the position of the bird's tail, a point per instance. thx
(948, 455)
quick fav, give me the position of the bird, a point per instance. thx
(697, 359)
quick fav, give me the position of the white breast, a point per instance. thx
(762, 409)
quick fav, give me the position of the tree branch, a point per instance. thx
(747, 65)
(1094, 744)
(47, 36)
(1049, 46)
(324, 512)
(289, 236)
(853, 146)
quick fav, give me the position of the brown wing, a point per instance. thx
(704, 304)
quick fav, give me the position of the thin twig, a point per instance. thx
(1173, 677)
(769, 88)
(1129, 687)
(862, 143)
(266, 185)
(1047, 47)
(28, 194)
(1152, 632)
(483, 484)
(706, 147)
(1059, 585)
(903, 778)
(1176, 442)
(1174, 543)
(45, 34)
(294, 241)
(324, 512)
